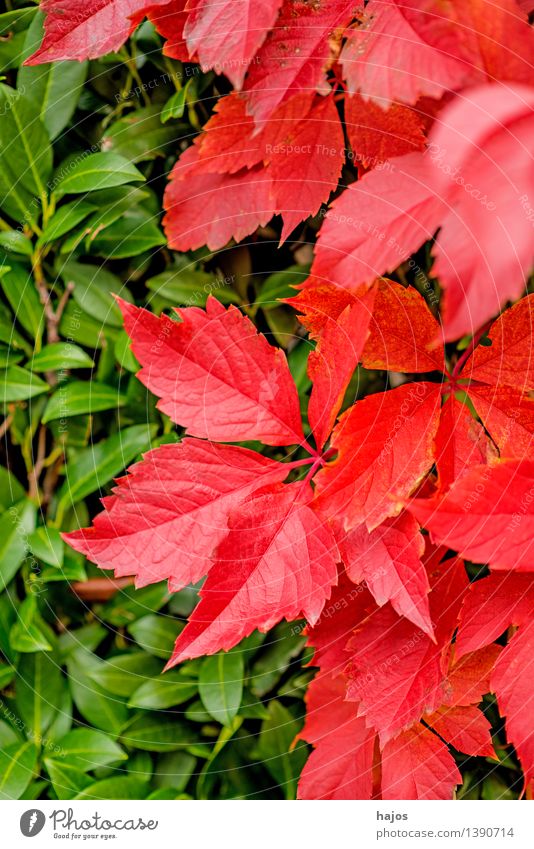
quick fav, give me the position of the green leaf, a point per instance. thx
(273, 661)
(123, 674)
(92, 468)
(20, 291)
(60, 356)
(94, 289)
(15, 526)
(78, 397)
(7, 673)
(87, 637)
(120, 787)
(24, 144)
(174, 770)
(8, 735)
(220, 685)
(155, 634)
(11, 490)
(186, 285)
(280, 285)
(97, 171)
(13, 26)
(154, 732)
(164, 692)
(66, 218)
(130, 236)
(66, 780)
(15, 242)
(46, 544)
(9, 358)
(175, 106)
(274, 748)
(102, 710)
(77, 326)
(19, 384)
(54, 87)
(17, 766)
(139, 135)
(28, 633)
(86, 749)
(39, 691)
(130, 604)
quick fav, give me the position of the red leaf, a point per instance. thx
(225, 34)
(332, 364)
(376, 134)
(347, 607)
(404, 334)
(461, 443)
(378, 222)
(508, 417)
(385, 448)
(389, 560)
(468, 679)
(232, 140)
(278, 561)
(211, 209)
(341, 765)
(487, 516)
(494, 41)
(508, 360)
(85, 30)
(513, 684)
(306, 165)
(386, 60)
(321, 302)
(491, 606)
(417, 765)
(396, 672)
(465, 728)
(169, 20)
(481, 256)
(171, 511)
(295, 56)
(215, 375)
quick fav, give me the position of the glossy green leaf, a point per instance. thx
(139, 135)
(54, 87)
(15, 525)
(39, 690)
(123, 674)
(220, 685)
(17, 766)
(46, 544)
(86, 749)
(19, 384)
(94, 290)
(66, 780)
(78, 397)
(29, 633)
(175, 106)
(155, 732)
(13, 241)
(119, 787)
(65, 219)
(25, 149)
(156, 634)
(130, 236)
(97, 171)
(164, 692)
(60, 356)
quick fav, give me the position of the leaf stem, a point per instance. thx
(470, 348)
